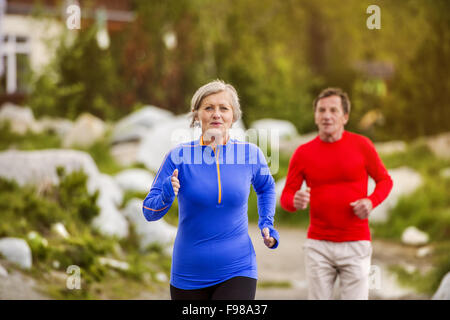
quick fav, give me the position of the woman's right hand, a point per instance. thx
(175, 182)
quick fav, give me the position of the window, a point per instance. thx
(15, 71)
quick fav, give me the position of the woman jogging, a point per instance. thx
(213, 255)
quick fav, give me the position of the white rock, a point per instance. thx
(149, 232)
(34, 236)
(443, 292)
(17, 251)
(85, 132)
(424, 252)
(279, 186)
(284, 129)
(414, 237)
(440, 145)
(390, 147)
(135, 125)
(125, 153)
(3, 272)
(161, 277)
(21, 119)
(405, 180)
(445, 173)
(288, 146)
(60, 230)
(139, 180)
(37, 167)
(116, 264)
(60, 126)
(161, 139)
(110, 189)
(110, 222)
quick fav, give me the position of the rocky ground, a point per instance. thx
(281, 271)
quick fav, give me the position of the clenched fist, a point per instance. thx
(301, 198)
(175, 182)
(362, 208)
(268, 240)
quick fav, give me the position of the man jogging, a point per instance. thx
(335, 166)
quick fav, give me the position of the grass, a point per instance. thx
(27, 141)
(24, 210)
(274, 284)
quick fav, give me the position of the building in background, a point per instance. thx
(28, 27)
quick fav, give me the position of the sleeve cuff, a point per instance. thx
(273, 233)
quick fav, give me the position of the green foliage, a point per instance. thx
(24, 208)
(27, 141)
(82, 78)
(428, 282)
(29, 212)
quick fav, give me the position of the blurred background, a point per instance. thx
(91, 93)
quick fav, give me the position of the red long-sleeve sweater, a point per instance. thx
(337, 174)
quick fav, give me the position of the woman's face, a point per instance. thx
(216, 116)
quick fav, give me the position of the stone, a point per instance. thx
(60, 126)
(17, 251)
(445, 173)
(279, 186)
(162, 138)
(21, 119)
(113, 263)
(149, 232)
(60, 230)
(39, 167)
(86, 130)
(139, 180)
(3, 272)
(406, 181)
(110, 222)
(414, 237)
(110, 189)
(125, 153)
(440, 145)
(288, 146)
(284, 129)
(390, 147)
(424, 252)
(135, 126)
(443, 292)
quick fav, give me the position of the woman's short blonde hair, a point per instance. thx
(213, 87)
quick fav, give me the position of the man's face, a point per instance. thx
(329, 115)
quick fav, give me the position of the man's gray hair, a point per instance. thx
(213, 87)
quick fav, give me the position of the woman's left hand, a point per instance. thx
(268, 240)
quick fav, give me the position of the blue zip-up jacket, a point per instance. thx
(212, 243)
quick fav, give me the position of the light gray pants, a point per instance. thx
(325, 260)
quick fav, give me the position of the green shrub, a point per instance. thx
(27, 141)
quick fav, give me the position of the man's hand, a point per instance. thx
(301, 198)
(268, 240)
(362, 208)
(175, 182)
